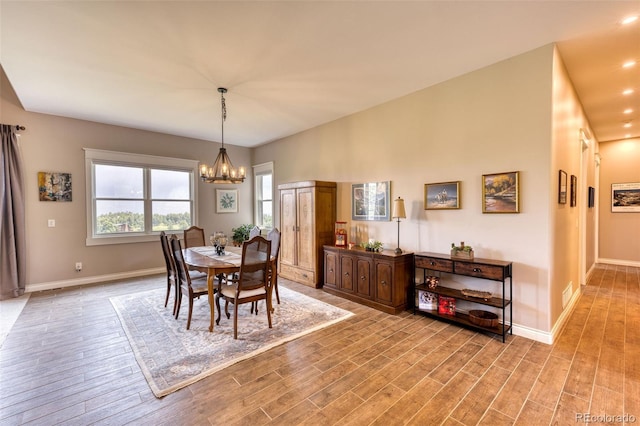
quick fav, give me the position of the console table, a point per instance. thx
(488, 269)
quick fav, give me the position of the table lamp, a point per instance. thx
(399, 213)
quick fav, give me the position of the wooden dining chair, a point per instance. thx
(194, 237)
(274, 237)
(193, 289)
(252, 284)
(172, 282)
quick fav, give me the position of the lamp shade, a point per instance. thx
(398, 209)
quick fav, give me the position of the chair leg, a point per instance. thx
(190, 312)
(218, 308)
(269, 315)
(275, 287)
(166, 299)
(226, 308)
(179, 302)
(176, 290)
(235, 321)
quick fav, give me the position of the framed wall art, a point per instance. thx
(574, 190)
(501, 193)
(53, 186)
(226, 201)
(442, 196)
(562, 187)
(625, 197)
(592, 197)
(370, 201)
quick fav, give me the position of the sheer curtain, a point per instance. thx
(12, 228)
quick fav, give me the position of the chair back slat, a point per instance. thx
(254, 232)
(274, 237)
(181, 268)
(194, 237)
(255, 263)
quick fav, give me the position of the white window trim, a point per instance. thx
(263, 169)
(125, 158)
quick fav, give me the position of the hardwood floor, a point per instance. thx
(67, 361)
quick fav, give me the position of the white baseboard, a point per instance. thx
(619, 262)
(533, 334)
(30, 288)
(564, 316)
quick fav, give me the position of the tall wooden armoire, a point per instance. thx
(307, 221)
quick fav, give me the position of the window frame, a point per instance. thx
(260, 170)
(147, 162)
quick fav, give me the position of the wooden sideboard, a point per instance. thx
(383, 280)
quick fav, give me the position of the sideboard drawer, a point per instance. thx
(433, 263)
(479, 270)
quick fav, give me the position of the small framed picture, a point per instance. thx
(54, 186)
(226, 201)
(562, 187)
(427, 301)
(370, 201)
(574, 190)
(501, 193)
(592, 196)
(442, 196)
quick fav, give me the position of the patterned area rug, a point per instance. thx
(172, 357)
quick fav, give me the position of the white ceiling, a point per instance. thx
(293, 65)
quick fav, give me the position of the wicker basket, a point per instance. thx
(483, 318)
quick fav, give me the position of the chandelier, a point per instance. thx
(222, 170)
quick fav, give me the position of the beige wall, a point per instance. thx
(493, 120)
(619, 233)
(567, 154)
(517, 115)
(53, 143)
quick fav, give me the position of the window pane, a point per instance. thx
(266, 187)
(114, 217)
(118, 182)
(267, 218)
(171, 215)
(170, 184)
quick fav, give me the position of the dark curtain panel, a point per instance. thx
(12, 228)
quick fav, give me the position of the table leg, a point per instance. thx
(210, 277)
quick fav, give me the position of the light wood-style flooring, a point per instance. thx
(67, 361)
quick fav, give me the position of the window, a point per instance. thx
(263, 175)
(132, 197)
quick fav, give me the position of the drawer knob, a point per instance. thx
(432, 263)
(346, 274)
(362, 278)
(305, 275)
(384, 282)
(331, 270)
(476, 270)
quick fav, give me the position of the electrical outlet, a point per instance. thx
(78, 266)
(51, 223)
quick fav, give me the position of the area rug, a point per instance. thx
(172, 357)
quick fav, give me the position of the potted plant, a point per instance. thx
(241, 234)
(462, 251)
(372, 246)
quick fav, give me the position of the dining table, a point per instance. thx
(207, 260)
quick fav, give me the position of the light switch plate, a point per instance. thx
(51, 223)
